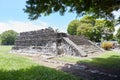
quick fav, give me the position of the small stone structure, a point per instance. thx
(47, 41)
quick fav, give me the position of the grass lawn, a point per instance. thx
(109, 60)
(5, 49)
(14, 67)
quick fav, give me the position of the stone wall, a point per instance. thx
(44, 41)
(36, 38)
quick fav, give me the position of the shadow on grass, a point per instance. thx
(35, 73)
(109, 65)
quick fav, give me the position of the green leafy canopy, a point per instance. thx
(118, 35)
(97, 8)
(92, 28)
(8, 37)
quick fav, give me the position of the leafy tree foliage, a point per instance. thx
(118, 35)
(105, 29)
(84, 29)
(8, 37)
(72, 27)
(95, 34)
(88, 19)
(94, 29)
(76, 24)
(97, 8)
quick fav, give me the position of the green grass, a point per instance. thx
(14, 67)
(109, 60)
(5, 49)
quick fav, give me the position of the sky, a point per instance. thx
(12, 17)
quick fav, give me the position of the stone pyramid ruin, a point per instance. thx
(47, 41)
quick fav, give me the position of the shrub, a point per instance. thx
(107, 45)
(8, 37)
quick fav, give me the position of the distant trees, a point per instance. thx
(84, 29)
(85, 26)
(88, 19)
(92, 28)
(118, 35)
(8, 37)
(72, 27)
(105, 29)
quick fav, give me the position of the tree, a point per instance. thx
(95, 34)
(82, 26)
(118, 35)
(92, 28)
(88, 19)
(97, 8)
(105, 29)
(84, 29)
(72, 27)
(8, 37)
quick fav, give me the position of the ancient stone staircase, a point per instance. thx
(85, 45)
(73, 48)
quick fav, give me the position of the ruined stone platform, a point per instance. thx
(47, 41)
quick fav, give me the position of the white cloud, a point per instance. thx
(60, 28)
(116, 13)
(20, 26)
(116, 29)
